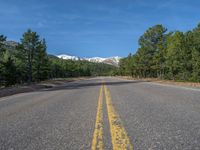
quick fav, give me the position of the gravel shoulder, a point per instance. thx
(169, 82)
(48, 84)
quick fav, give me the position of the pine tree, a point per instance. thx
(40, 63)
(2, 40)
(2, 50)
(179, 56)
(196, 54)
(26, 50)
(10, 72)
(152, 44)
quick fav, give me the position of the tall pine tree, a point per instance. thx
(30, 42)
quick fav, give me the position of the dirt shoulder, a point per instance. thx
(170, 82)
(36, 86)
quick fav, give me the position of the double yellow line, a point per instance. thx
(120, 140)
(97, 142)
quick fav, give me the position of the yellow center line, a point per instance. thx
(120, 140)
(97, 142)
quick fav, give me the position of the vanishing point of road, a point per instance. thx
(102, 113)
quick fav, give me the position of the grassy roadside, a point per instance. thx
(37, 86)
(170, 82)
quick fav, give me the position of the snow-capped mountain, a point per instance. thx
(110, 60)
(63, 56)
(95, 59)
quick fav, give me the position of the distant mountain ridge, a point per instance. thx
(110, 60)
(11, 45)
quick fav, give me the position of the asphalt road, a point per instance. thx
(102, 113)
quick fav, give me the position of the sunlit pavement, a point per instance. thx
(102, 113)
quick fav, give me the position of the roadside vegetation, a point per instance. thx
(28, 62)
(165, 55)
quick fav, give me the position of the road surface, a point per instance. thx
(102, 113)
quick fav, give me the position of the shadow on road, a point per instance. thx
(66, 86)
(76, 85)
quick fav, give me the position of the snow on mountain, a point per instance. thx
(110, 60)
(64, 56)
(114, 59)
(95, 59)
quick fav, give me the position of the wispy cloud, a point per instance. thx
(95, 25)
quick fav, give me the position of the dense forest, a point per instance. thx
(28, 61)
(166, 55)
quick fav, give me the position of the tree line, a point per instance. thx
(166, 55)
(28, 62)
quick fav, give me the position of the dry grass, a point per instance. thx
(171, 82)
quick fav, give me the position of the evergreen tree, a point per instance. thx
(2, 50)
(152, 45)
(41, 63)
(10, 72)
(174, 55)
(178, 56)
(26, 50)
(196, 54)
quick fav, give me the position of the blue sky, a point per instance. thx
(89, 28)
